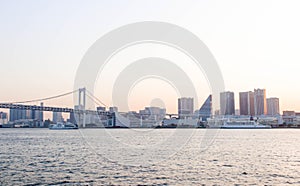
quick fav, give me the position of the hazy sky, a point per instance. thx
(256, 44)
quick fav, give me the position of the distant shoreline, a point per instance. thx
(112, 128)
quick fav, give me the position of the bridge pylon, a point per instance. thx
(82, 104)
(82, 97)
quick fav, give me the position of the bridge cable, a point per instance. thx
(95, 101)
(95, 98)
(43, 99)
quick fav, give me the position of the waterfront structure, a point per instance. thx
(273, 106)
(205, 110)
(227, 106)
(247, 103)
(260, 102)
(289, 116)
(185, 107)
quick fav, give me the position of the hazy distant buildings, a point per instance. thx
(3, 118)
(17, 114)
(57, 117)
(289, 116)
(247, 103)
(101, 109)
(152, 115)
(113, 109)
(260, 102)
(288, 113)
(3, 115)
(273, 106)
(185, 107)
(227, 106)
(153, 111)
(76, 118)
(205, 110)
(72, 118)
(12, 114)
(34, 117)
(41, 114)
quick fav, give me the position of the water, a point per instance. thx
(115, 157)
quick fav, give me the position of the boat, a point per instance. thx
(22, 126)
(244, 125)
(236, 124)
(63, 126)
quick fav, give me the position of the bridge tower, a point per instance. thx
(82, 97)
(81, 105)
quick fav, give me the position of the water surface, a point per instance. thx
(95, 157)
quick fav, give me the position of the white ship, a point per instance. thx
(63, 126)
(236, 124)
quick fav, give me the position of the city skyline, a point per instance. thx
(250, 103)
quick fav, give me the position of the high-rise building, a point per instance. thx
(17, 114)
(227, 106)
(247, 103)
(41, 114)
(29, 114)
(35, 114)
(273, 106)
(12, 114)
(185, 107)
(260, 102)
(206, 109)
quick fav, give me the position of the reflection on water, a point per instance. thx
(41, 156)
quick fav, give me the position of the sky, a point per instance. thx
(256, 44)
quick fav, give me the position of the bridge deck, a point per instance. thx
(51, 109)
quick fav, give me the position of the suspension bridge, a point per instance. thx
(79, 110)
(79, 113)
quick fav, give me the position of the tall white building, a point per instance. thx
(273, 106)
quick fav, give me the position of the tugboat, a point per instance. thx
(63, 126)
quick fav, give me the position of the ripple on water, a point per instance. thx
(43, 157)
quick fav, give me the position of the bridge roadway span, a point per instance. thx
(51, 109)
